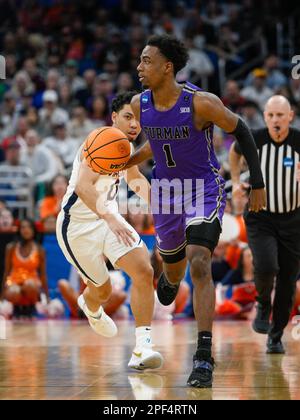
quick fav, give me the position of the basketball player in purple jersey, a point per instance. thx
(178, 121)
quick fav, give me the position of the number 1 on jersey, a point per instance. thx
(169, 157)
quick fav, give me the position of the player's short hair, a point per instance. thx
(121, 100)
(172, 48)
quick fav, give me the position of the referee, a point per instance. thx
(274, 233)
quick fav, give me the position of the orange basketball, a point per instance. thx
(106, 149)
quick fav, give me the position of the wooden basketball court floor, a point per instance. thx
(66, 360)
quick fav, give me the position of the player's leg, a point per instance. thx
(137, 266)
(135, 261)
(289, 263)
(201, 242)
(264, 246)
(80, 243)
(171, 244)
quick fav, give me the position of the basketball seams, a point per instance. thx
(111, 158)
(92, 155)
(89, 154)
(100, 132)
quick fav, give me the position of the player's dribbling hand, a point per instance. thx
(257, 200)
(121, 231)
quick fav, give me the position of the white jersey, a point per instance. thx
(107, 187)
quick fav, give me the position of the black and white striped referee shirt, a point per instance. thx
(279, 164)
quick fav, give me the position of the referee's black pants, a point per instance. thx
(274, 240)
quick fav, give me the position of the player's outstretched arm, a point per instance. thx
(210, 109)
(142, 154)
(138, 183)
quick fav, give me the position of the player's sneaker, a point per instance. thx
(145, 358)
(166, 292)
(202, 373)
(261, 323)
(275, 347)
(102, 325)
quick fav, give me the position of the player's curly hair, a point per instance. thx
(121, 100)
(171, 48)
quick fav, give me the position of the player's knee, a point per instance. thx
(200, 266)
(174, 276)
(145, 276)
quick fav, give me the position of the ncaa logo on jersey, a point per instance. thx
(288, 162)
(185, 110)
(145, 99)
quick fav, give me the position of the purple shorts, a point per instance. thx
(172, 216)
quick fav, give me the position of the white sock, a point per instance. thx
(143, 337)
(96, 314)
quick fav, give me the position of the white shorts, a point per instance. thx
(84, 243)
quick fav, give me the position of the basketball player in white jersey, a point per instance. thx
(90, 227)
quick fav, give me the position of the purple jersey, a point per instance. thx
(182, 152)
(180, 149)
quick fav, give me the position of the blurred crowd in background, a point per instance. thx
(65, 62)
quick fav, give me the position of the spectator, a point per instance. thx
(61, 144)
(80, 126)
(33, 120)
(6, 220)
(22, 84)
(13, 171)
(42, 161)
(51, 112)
(111, 307)
(85, 94)
(295, 89)
(66, 98)
(8, 230)
(220, 150)
(124, 83)
(232, 98)
(52, 80)
(25, 270)
(252, 115)
(275, 78)
(50, 206)
(238, 288)
(103, 86)
(258, 91)
(296, 120)
(199, 64)
(71, 77)
(99, 111)
(10, 115)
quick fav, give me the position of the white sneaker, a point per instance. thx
(145, 358)
(103, 325)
